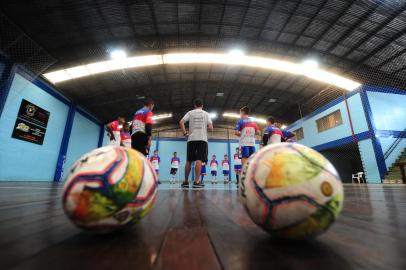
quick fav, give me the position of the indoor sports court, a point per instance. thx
(229, 134)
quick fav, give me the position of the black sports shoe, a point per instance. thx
(185, 185)
(198, 185)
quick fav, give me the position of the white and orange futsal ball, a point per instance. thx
(108, 188)
(291, 191)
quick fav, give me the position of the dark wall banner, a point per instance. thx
(31, 123)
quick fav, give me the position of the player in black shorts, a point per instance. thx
(197, 147)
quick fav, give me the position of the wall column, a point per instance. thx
(64, 144)
(229, 152)
(101, 136)
(376, 144)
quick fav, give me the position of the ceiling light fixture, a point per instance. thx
(161, 116)
(266, 63)
(236, 52)
(310, 63)
(237, 116)
(213, 115)
(118, 54)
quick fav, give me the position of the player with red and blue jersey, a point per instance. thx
(213, 168)
(125, 136)
(246, 129)
(226, 168)
(113, 130)
(272, 134)
(175, 162)
(237, 163)
(142, 128)
(155, 160)
(203, 172)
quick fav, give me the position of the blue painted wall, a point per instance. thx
(388, 117)
(20, 160)
(313, 138)
(389, 114)
(169, 145)
(388, 110)
(84, 137)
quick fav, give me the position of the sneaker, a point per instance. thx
(185, 185)
(198, 185)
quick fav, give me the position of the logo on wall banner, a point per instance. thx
(31, 123)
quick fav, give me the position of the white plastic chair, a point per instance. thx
(357, 177)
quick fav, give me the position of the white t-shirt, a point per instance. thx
(198, 121)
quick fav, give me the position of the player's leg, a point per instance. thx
(201, 155)
(139, 142)
(244, 154)
(188, 164)
(157, 175)
(198, 168)
(188, 167)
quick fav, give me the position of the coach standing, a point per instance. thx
(142, 128)
(197, 146)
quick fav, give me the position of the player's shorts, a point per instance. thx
(237, 167)
(139, 142)
(174, 171)
(214, 173)
(197, 150)
(247, 151)
(226, 172)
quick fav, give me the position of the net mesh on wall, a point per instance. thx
(21, 49)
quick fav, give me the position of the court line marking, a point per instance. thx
(30, 187)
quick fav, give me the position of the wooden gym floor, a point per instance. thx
(205, 229)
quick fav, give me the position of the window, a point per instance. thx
(329, 121)
(298, 134)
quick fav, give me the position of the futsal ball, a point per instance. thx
(108, 188)
(291, 191)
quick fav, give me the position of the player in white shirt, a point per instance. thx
(175, 162)
(197, 146)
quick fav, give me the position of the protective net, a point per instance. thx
(360, 129)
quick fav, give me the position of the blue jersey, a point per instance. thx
(272, 130)
(286, 135)
(269, 131)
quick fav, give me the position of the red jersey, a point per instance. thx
(141, 118)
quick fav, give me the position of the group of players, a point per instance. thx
(138, 136)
